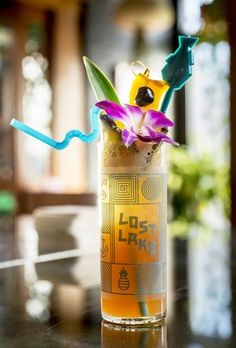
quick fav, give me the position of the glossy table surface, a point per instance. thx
(52, 299)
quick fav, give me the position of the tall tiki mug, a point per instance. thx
(132, 194)
(133, 232)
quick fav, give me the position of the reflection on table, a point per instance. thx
(120, 337)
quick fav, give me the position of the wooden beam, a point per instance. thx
(50, 4)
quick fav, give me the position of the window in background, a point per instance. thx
(25, 94)
(208, 101)
(189, 18)
(37, 112)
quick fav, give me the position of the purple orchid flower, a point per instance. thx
(137, 123)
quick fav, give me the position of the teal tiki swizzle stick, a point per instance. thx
(178, 68)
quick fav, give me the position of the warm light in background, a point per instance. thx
(146, 15)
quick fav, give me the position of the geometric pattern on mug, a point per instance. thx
(124, 189)
(107, 218)
(105, 188)
(149, 278)
(151, 188)
(106, 276)
(105, 247)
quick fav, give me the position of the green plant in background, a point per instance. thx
(193, 181)
(215, 28)
(7, 203)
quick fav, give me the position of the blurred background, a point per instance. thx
(43, 83)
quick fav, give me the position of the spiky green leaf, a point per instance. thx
(101, 85)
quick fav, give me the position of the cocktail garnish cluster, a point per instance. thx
(144, 118)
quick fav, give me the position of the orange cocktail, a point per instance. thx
(133, 232)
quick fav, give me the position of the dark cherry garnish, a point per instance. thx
(144, 96)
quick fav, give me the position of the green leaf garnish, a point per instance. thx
(101, 85)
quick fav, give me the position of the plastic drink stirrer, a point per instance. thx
(178, 67)
(60, 145)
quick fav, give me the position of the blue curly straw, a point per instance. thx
(60, 145)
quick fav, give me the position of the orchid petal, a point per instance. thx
(148, 134)
(165, 139)
(128, 137)
(115, 111)
(157, 119)
(136, 115)
(148, 131)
